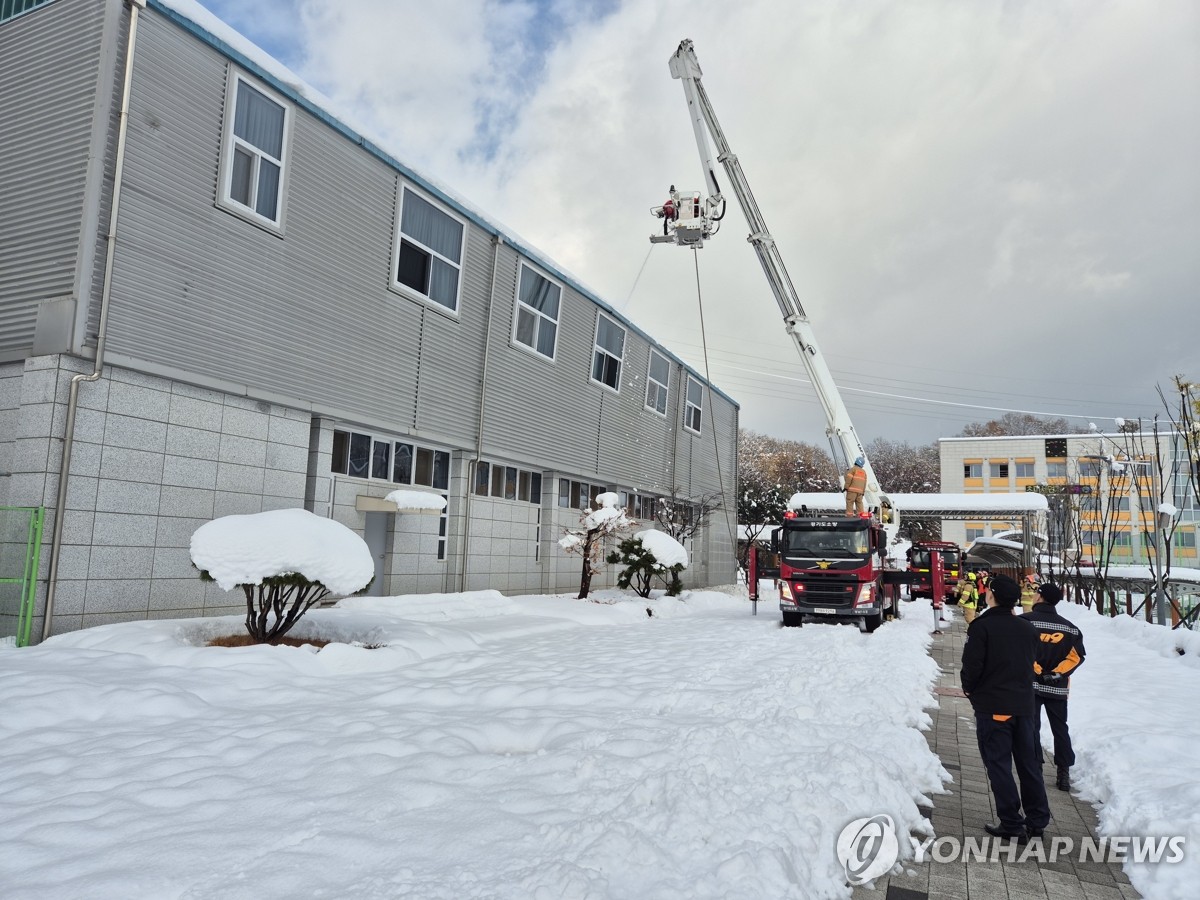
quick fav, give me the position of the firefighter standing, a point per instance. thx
(1060, 652)
(968, 598)
(856, 486)
(997, 677)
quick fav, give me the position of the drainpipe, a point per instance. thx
(60, 505)
(497, 242)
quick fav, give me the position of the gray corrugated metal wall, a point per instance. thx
(308, 318)
(49, 61)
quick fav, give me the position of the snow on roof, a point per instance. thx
(204, 24)
(663, 547)
(416, 500)
(247, 549)
(1006, 503)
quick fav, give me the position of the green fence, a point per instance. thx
(20, 551)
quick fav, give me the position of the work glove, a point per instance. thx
(1051, 678)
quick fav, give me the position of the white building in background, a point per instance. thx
(1114, 510)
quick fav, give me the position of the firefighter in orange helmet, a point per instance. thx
(856, 486)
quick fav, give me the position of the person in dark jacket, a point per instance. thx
(1059, 653)
(997, 677)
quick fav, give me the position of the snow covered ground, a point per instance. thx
(531, 747)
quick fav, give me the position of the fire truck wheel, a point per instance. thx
(792, 620)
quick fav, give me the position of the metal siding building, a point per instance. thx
(244, 353)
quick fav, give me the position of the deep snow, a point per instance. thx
(527, 747)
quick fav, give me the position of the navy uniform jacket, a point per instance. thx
(997, 663)
(1059, 652)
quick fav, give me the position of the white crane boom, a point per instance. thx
(687, 223)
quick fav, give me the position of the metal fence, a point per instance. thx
(20, 552)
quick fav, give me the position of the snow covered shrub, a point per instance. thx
(588, 540)
(285, 561)
(647, 555)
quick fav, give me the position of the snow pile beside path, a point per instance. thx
(1135, 729)
(561, 748)
(436, 607)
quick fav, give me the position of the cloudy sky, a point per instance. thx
(985, 207)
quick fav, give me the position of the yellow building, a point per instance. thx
(1104, 491)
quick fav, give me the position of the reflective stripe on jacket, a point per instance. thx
(856, 480)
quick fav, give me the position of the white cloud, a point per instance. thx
(921, 165)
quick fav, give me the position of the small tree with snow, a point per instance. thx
(285, 561)
(647, 555)
(588, 540)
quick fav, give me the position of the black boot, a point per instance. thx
(1063, 783)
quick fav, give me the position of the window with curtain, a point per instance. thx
(610, 350)
(255, 151)
(429, 251)
(538, 301)
(694, 411)
(658, 378)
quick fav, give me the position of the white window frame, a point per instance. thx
(230, 142)
(693, 410)
(399, 237)
(597, 351)
(663, 389)
(539, 317)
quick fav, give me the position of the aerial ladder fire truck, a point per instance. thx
(831, 567)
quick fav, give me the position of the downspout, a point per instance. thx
(497, 243)
(60, 503)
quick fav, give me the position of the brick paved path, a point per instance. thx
(964, 811)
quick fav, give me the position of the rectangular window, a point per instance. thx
(510, 483)
(610, 351)
(974, 533)
(998, 470)
(523, 486)
(443, 520)
(693, 413)
(658, 380)
(381, 459)
(1120, 504)
(363, 456)
(423, 474)
(341, 450)
(441, 470)
(360, 455)
(538, 300)
(1122, 539)
(402, 470)
(12, 8)
(564, 493)
(1090, 468)
(1185, 540)
(497, 481)
(481, 479)
(973, 470)
(429, 251)
(253, 158)
(1056, 469)
(1024, 470)
(535, 488)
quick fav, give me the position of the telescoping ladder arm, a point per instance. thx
(686, 68)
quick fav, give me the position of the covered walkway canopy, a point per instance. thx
(939, 506)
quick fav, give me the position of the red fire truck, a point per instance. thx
(919, 557)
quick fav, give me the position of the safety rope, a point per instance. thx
(708, 391)
(636, 279)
